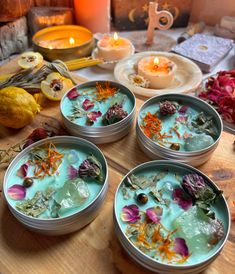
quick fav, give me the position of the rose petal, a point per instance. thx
(28, 143)
(87, 104)
(38, 134)
(72, 172)
(73, 94)
(181, 247)
(16, 192)
(130, 213)
(182, 119)
(183, 109)
(23, 170)
(182, 198)
(92, 116)
(152, 215)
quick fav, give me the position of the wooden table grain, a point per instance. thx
(95, 248)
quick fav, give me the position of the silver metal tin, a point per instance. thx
(148, 262)
(71, 223)
(102, 134)
(194, 158)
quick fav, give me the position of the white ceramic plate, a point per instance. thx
(188, 75)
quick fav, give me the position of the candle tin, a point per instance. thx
(173, 172)
(42, 42)
(74, 218)
(99, 133)
(161, 151)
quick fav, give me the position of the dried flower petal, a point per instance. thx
(92, 116)
(182, 119)
(182, 198)
(193, 184)
(72, 172)
(153, 214)
(73, 94)
(16, 192)
(87, 104)
(114, 114)
(91, 168)
(28, 143)
(181, 247)
(38, 134)
(167, 108)
(139, 81)
(130, 213)
(183, 109)
(23, 170)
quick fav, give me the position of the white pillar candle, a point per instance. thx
(158, 70)
(114, 48)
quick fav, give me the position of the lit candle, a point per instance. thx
(114, 48)
(158, 70)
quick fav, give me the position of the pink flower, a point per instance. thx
(154, 214)
(183, 109)
(16, 192)
(73, 94)
(181, 247)
(38, 134)
(182, 198)
(130, 213)
(87, 104)
(92, 116)
(23, 170)
(72, 172)
(182, 119)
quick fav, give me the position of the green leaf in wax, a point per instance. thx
(74, 193)
(144, 182)
(55, 209)
(118, 99)
(125, 193)
(204, 124)
(77, 112)
(37, 205)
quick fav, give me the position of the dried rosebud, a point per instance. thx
(28, 143)
(193, 184)
(38, 134)
(167, 108)
(87, 104)
(114, 114)
(91, 168)
(92, 116)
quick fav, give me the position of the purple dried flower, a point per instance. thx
(114, 114)
(72, 172)
(130, 214)
(91, 168)
(38, 134)
(167, 108)
(181, 247)
(182, 198)
(182, 119)
(193, 184)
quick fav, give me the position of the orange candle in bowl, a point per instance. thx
(158, 70)
(114, 48)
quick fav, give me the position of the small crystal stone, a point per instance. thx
(198, 142)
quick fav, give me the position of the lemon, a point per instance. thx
(30, 59)
(55, 86)
(18, 107)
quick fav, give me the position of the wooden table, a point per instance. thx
(95, 248)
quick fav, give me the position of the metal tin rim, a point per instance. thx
(183, 96)
(182, 165)
(101, 127)
(56, 139)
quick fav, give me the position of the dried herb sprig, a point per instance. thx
(31, 78)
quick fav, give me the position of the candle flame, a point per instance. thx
(50, 47)
(155, 61)
(71, 41)
(115, 36)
